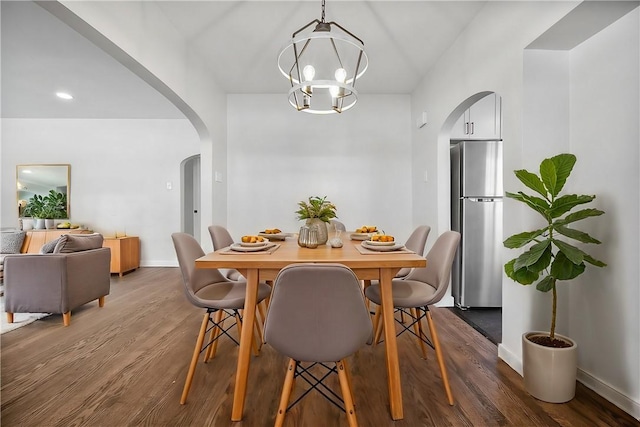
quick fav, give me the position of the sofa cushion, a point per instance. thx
(68, 243)
(48, 247)
(12, 242)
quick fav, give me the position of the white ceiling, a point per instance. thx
(240, 40)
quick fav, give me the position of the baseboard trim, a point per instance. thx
(598, 386)
(510, 358)
(611, 394)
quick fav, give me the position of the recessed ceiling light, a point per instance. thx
(64, 95)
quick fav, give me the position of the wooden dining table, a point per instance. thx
(263, 266)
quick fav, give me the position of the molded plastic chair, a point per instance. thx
(221, 238)
(416, 242)
(414, 294)
(338, 225)
(317, 315)
(209, 289)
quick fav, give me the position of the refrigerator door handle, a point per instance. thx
(484, 199)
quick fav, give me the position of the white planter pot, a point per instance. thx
(50, 224)
(549, 373)
(39, 223)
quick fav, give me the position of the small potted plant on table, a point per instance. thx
(318, 212)
(549, 359)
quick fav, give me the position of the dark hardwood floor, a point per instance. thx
(125, 365)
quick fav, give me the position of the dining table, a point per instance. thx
(257, 266)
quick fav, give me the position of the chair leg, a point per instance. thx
(417, 327)
(213, 338)
(101, 301)
(263, 315)
(439, 356)
(286, 392)
(194, 359)
(258, 334)
(9, 317)
(379, 326)
(347, 394)
(365, 285)
(347, 370)
(66, 318)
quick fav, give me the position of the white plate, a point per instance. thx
(377, 243)
(254, 245)
(361, 236)
(366, 244)
(277, 236)
(239, 248)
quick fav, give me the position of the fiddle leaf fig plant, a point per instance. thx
(549, 256)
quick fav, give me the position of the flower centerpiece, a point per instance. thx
(318, 212)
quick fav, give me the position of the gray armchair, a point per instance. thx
(57, 282)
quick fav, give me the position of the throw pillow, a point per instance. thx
(48, 247)
(12, 242)
(68, 243)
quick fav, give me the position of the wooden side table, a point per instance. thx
(125, 253)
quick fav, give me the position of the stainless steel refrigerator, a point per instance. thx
(476, 212)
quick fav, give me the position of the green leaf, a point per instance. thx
(574, 254)
(536, 203)
(581, 214)
(521, 239)
(531, 256)
(555, 171)
(532, 181)
(594, 261)
(563, 268)
(564, 204)
(543, 262)
(546, 284)
(576, 235)
(522, 276)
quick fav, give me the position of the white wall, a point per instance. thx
(604, 106)
(119, 173)
(595, 88)
(359, 160)
(140, 35)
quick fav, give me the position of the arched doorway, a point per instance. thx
(476, 163)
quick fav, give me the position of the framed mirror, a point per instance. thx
(40, 179)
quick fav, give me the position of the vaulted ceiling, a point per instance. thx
(239, 40)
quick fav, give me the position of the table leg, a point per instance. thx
(393, 365)
(246, 338)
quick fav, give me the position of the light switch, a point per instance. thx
(169, 185)
(218, 176)
(426, 176)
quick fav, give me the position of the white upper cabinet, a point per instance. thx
(481, 121)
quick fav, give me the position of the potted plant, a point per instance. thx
(34, 209)
(318, 212)
(55, 207)
(49, 207)
(549, 359)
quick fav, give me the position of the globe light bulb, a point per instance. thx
(341, 75)
(334, 91)
(309, 72)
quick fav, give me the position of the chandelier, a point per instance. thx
(322, 66)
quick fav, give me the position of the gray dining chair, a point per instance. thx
(415, 293)
(317, 317)
(338, 225)
(416, 243)
(220, 297)
(221, 238)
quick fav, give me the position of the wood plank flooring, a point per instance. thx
(125, 365)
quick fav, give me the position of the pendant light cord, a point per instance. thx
(322, 19)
